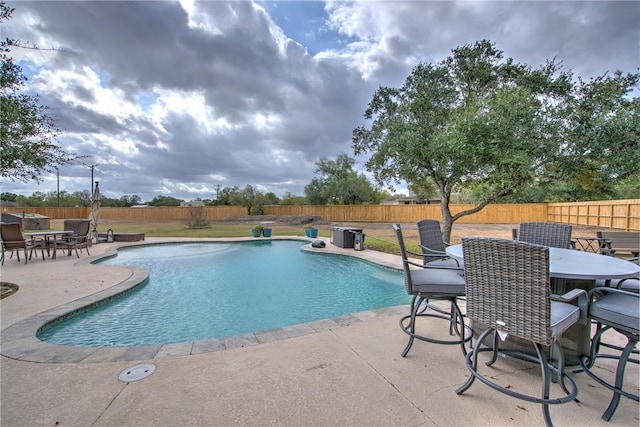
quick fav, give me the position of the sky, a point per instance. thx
(180, 98)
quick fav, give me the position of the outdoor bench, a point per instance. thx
(616, 242)
(128, 237)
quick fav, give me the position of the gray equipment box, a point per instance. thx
(344, 237)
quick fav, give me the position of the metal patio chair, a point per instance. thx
(545, 233)
(508, 291)
(427, 285)
(432, 245)
(616, 309)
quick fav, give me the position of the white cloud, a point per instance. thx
(178, 97)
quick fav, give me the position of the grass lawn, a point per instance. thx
(378, 236)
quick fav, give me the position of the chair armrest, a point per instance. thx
(426, 266)
(433, 252)
(582, 297)
(413, 253)
(415, 263)
(621, 281)
(600, 290)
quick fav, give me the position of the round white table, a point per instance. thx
(574, 264)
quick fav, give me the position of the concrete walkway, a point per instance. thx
(342, 371)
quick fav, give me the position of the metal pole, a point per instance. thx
(58, 175)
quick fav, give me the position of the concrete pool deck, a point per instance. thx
(342, 371)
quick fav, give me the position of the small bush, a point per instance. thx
(197, 217)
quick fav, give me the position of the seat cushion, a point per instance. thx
(438, 281)
(563, 315)
(616, 309)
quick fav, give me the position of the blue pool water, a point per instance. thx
(200, 291)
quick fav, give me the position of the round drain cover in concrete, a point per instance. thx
(136, 373)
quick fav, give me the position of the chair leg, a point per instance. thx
(494, 345)
(560, 351)
(546, 383)
(613, 405)
(471, 362)
(412, 323)
(417, 301)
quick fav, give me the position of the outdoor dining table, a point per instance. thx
(570, 269)
(49, 238)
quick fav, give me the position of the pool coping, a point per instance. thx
(19, 340)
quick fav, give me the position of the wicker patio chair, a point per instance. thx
(545, 233)
(432, 245)
(616, 309)
(508, 291)
(432, 284)
(79, 239)
(14, 241)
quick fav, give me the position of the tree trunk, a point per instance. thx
(447, 219)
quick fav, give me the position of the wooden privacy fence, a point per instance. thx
(617, 214)
(492, 214)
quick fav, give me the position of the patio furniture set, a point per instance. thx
(74, 237)
(522, 296)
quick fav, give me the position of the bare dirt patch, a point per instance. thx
(288, 220)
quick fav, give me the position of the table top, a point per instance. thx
(574, 264)
(49, 233)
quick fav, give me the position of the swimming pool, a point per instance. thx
(199, 291)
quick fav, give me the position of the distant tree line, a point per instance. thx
(337, 183)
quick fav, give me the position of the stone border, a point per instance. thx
(19, 340)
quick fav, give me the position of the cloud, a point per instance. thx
(174, 98)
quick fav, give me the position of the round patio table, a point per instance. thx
(574, 264)
(49, 238)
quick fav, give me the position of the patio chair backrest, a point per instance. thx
(11, 234)
(431, 237)
(83, 228)
(405, 260)
(75, 225)
(549, 234)
(508, 286)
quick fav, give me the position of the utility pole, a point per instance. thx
(92, 187)
(217, 192)
(58, 175)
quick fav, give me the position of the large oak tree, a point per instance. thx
(474, 117)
